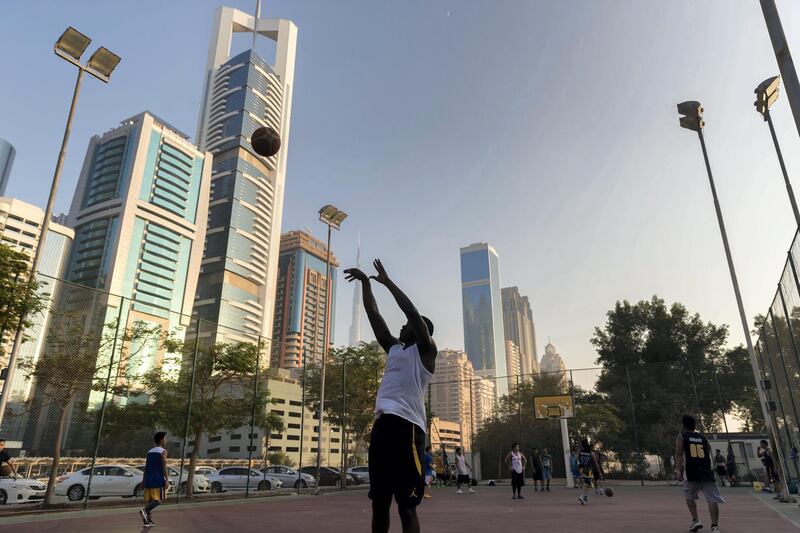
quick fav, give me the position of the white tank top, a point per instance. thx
(516, 462)
(405, 381)
(461, 465)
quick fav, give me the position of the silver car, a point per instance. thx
(236, 478)
(359, 473)
(289, 476)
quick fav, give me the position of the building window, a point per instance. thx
(334, 450)
(281, 413)
(251, 448)
(276, 436)
(294, 426)
(236, 436)
(212, 451)
(292, 449)
(216, 438)
(252, 436)
(293, 437)
(294, 415)
(313, 450)
(295, 403)
(233, 449)
(278, 400)
(334, 440)
(275, 448)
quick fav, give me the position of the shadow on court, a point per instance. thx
(650, 509)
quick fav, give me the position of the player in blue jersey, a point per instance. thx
(155, 479)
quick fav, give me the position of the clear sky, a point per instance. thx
(546, 128)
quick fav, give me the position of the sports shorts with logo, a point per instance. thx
(710, 490)
(395, 462)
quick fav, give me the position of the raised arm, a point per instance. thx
(425, 344)
(376, 321)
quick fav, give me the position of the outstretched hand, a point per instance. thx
(382, 276)
(352, 274)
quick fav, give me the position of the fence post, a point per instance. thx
(633, 419)
(103, 405)
(253, 420)
(189, 411)
(302, 423)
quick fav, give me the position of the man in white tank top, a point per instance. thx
(398, 435)
(515, 460)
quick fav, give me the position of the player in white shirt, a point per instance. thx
(398, 435)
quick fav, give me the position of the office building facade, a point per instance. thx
(484, 339)
(518, 327)
(139, 214)
(301, 301)
(552, 360)
(238, 277)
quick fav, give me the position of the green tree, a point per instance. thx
(77, 360)
(221, 376)
(663, 361)
(280, 458)
(365, 364)
(20, 297)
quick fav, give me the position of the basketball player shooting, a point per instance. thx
(397, 441)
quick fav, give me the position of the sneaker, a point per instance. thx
(145, 518)
(583, 500)
(460, 491)
(427, 496)
(521, 497)
(714, 528)
(513, 497)
(696, 525)
(471, 491)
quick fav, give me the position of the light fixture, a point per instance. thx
(73, 43)
(104, 61)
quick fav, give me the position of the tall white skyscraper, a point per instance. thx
(355, 326)
(242, 93)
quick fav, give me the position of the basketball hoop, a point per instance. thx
(553, 411)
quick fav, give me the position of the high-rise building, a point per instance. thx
(7, 153)
(459, 395)
(518, 327)
(242, 93)
(551, 360)
(300, 301)
(445, 433)
(139, 214)
(358, 304)
(484, 339)
(20, 228)
(513, 360)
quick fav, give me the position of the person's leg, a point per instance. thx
(548, 476)
(408, 517)
(713, 509)
(692, 505)
(380, 514)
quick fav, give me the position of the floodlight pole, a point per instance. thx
(783, 56)
(792, 199)
(325, 330)
(37, 249)
(743, 316)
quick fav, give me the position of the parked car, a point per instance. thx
(201, 482)
(108, 480)
(205, 470)
(235, 478)
(21, 490)
(328, 476)
(359, 473)
(289, 476)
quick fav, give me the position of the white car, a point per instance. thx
(235, 478)
(289, 476)
(205, 470)
(108, 480)
(359, 473)
(201, 483)
(21, 490)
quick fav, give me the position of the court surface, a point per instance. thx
(647, 510)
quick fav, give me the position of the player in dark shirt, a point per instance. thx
(693, 468)
(5, 458)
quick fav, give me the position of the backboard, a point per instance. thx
(556, 406)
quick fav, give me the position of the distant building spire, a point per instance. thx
(355, 326)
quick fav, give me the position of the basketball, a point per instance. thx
(265, 141)
(609, 492)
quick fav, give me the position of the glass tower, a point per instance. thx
(484, 339)
(238, 276)
(7, 153)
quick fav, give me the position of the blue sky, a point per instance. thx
(545, 128)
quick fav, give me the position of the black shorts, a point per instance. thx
(517, 479)
(537, 475)
(462, 478)
(721, 471)
(396, 449)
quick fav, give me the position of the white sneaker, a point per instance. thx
(582, 500)
(471, 491)
(696, 525)
(460, 491)
(714, 528)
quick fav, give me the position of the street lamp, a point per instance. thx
(70, 47)
(692, 119)
(333, 218)
(766, 94)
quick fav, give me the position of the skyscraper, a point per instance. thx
(242, 93)
(300, 300)
(139, 214)
(513, 360)
(518, 328)
(551, 360)
(358, 304)
(7, 153)
(484, 339)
